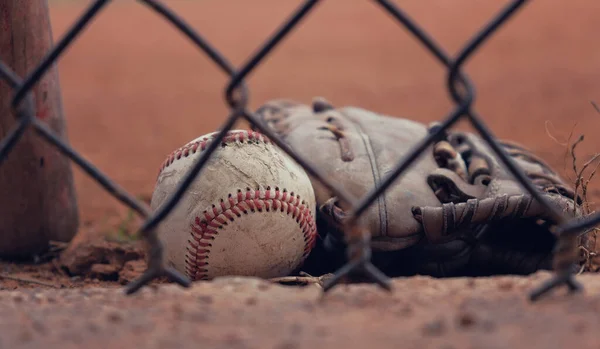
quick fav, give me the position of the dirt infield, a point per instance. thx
(134, 90)
(250, 313)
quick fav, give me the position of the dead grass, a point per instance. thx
(582, 177)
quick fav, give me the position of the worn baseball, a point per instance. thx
(250, 211)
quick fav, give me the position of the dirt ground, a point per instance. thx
(252, 313)
(134, 90)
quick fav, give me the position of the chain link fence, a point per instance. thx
(459, 86)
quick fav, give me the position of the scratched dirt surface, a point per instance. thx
(252, 313)
(134, 90)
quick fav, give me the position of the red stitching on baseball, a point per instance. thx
(202, 144)
(204, 230)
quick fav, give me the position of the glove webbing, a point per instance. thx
(440, 224)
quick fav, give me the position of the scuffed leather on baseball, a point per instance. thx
(249, 212)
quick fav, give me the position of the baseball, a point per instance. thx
(249, 212)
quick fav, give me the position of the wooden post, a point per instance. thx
(37, 194)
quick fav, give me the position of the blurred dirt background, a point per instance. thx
(134, 90)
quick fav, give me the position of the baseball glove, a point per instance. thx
(455, 212)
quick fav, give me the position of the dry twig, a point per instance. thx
(595, 106)
(27, 280)
(581, 183)
(304, 279)
(564, 144)
(587, 247)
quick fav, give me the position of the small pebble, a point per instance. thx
(114, 316)
(466, 319)
(434, 328)
(205, 299)
(505, 285)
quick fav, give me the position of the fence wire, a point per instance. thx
(459, 86)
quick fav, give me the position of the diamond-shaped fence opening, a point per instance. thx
(236, 96)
